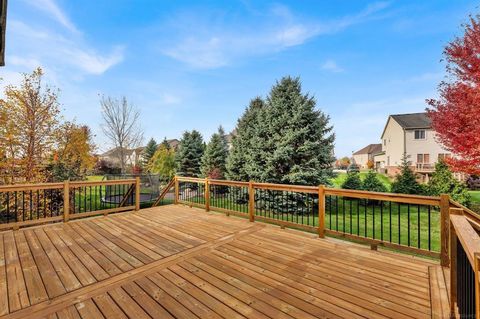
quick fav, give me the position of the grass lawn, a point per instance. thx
(338, 180)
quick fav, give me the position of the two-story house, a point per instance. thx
(361, 157)
(409, 134)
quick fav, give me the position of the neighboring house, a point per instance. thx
(173, 143)
(366, 154)
(132, 156)
(113, 156)
(410, 134)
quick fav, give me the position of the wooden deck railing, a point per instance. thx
(464, 262)
(417, 224)
(33, 204)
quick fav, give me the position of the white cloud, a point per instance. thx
(33, 47)
(200, 43)
(332, 66)
(170, 99)
(53, 10)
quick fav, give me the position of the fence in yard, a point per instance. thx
(406, 222)
(32, 204)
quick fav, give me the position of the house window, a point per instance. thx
(423, 158)
(442, 156)
(419, 134)
(384, 142)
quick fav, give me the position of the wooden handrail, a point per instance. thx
(462, 231)
(392, 197)
(21, 187)
(103, 183)
(401, 198)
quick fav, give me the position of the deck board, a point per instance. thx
(180, 262)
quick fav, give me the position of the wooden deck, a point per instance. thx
(176, 261)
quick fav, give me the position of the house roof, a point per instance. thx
(115, 152)
(413, 120)
(410, 121)
(3, 25)
(173, 143)
(370, 149)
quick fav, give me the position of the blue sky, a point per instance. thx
(197, 64)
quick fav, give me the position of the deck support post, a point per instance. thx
(137, 193)
(321, 211)
(177, 191)
(251, 201)
(207, 195)
(66, 201)
(444, 229)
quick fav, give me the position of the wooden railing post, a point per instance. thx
(207, 195)
(251, 201)
(66, 201)
(321, 211)
(177, 191)
(444, 229)
(137, 193)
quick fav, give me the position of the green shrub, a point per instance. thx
(371, 183)
(406, 182)
(352, 181)
(443, 182)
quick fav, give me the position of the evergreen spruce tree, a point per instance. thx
(149, 151)
(241, 162)
(297, 139)
(189, 156)
(406, 182)
(352, 181)
(215, 156)
(165, 144)
(443, 182)
(371, 183)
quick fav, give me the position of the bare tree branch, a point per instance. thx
(121, 125)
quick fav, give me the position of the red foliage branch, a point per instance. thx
(456, 114)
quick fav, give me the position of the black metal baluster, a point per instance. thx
(38, 203)
(390, 221)
(330, 211)
(44, 203)
(351, 219)
(399, 210)
(23, 205)
(8, 207)
(358, 217)
(381, 220)
(16, 207)
(408, 240)
(343, 209)
(418, 226)
(365, 230)
(336, 212)
(30, 201)
(373, 219)
(429, 228)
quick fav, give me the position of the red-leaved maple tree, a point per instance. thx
(456, 114)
